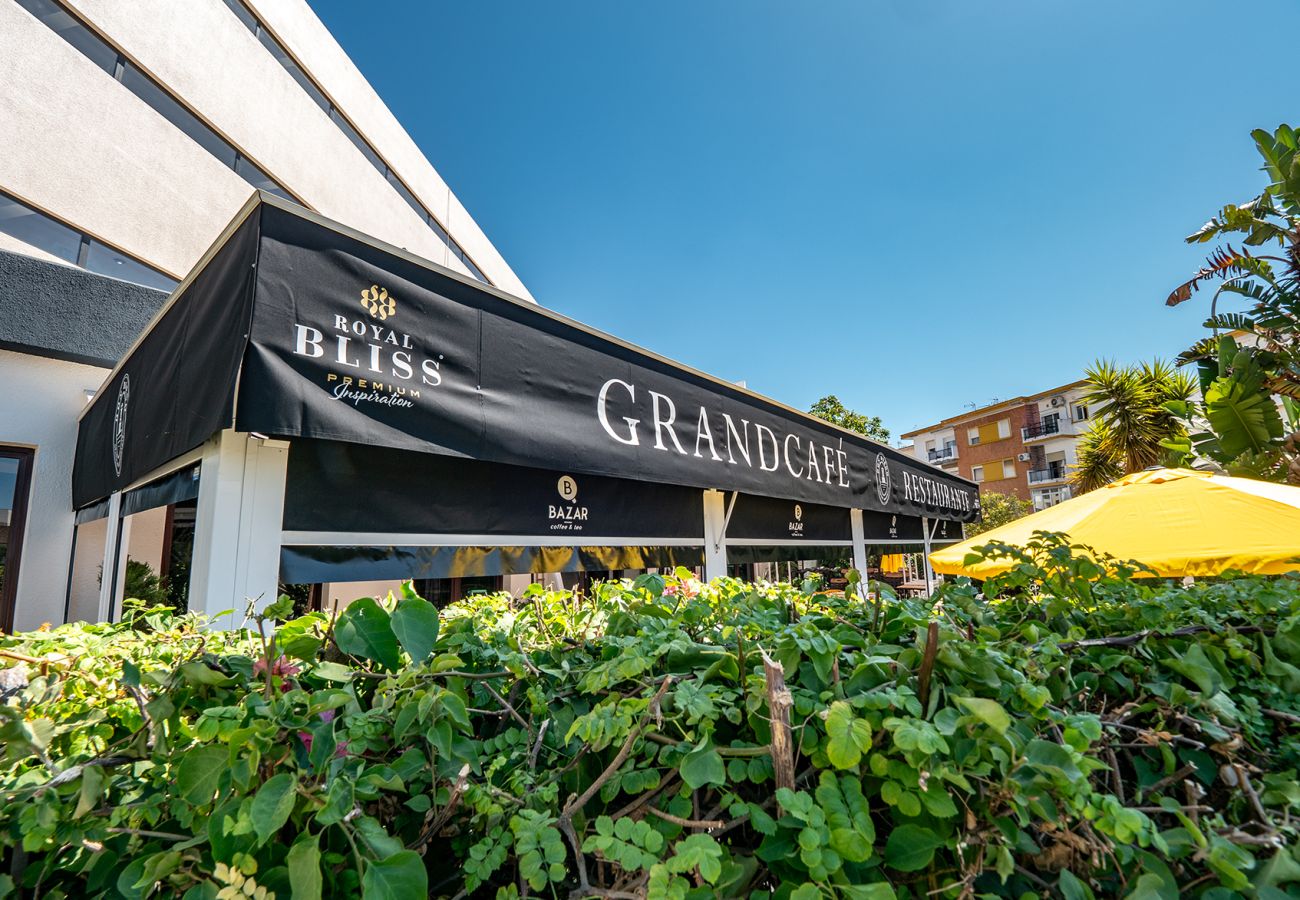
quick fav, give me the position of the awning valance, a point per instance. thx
(299, 328)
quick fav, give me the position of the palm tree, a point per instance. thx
(1132, 423)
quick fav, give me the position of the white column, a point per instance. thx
(237, 525)
(859, 546)
(108, 567)
(927, 534)
(715, 535)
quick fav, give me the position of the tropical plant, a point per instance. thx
(1063, 729)
(144, 584)
(1244, 382)
(1132, 422)
(997, 509)
(832, 410)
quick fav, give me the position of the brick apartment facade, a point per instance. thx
(1023, 447)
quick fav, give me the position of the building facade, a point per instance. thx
(133, 133)
(1024, 446)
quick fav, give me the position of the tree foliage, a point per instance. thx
(1075, 731)
(832, 410)
(1238, 425)
(998, 509)
(1132, 422)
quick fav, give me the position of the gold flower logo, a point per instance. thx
(377, 302)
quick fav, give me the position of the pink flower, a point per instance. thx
(282, 667)
(327, 715)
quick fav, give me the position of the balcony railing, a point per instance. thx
(1051, 473)
(943, 454)
(1042, 429)
(1044, 499)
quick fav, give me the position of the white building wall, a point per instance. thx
(207, 57)
(83, 148)
(91, 153)
(307, 39)
(39, 408)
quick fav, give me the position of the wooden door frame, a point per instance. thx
(26, 457)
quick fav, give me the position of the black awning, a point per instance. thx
(330, 336)
(767, 520)
(338, 488)
(310, 565)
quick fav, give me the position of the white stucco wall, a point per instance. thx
(85, 149)
(38, 408)
(308, 40)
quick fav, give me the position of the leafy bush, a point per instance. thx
(1044, 734)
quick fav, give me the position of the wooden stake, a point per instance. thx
(779, 702)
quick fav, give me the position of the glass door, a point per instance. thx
(15, 481)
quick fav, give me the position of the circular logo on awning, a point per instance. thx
(119, 422)
(567, 487)
(798, 513)
(882, 479)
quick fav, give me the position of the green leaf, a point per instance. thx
(1052, 758)
(272, 805)
(850, 737)
(199, 772)
(401, 876)
(304, 869)
(332, 671)
(990, 712)
(365, 629)
(703, 766)
(1195, 666)
(1072, 888)
(910, 848)
(197, 673)
(415, 622)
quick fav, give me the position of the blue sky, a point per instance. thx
(913, 205)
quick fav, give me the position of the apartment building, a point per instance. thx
(1024, 446)
(133, 133)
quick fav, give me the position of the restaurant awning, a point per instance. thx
(391, 377)
(297, 327)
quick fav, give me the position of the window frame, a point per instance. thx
(26, 457)
(977, 474)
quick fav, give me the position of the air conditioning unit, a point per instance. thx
(1024, 457)
(1058, 401)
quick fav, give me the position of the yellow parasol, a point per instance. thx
(1177, 521)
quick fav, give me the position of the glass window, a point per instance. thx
(79, 36)
(104, 260)
(358, 142)
(1008, 468)
(163, 103)
(1080, 412)
(243, 14)
(18, 220)
(280, 55)
(15, 475)
(473, 269)
(406, 195)
(972, 436)
(439, 231)
(1004, 429)
(977, 473)
(256, 177)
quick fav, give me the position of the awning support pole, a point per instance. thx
(927, 534)
(237, 525)
(715, 535)
(112, 571)
(859, 546)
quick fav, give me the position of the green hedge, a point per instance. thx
(1053, 733)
